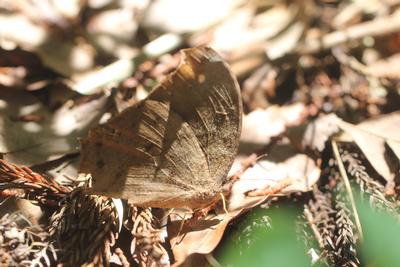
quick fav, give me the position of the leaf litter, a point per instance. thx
(313, 76)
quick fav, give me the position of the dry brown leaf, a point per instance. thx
(200, 238)
(371, 138)
(259, 87)
(122, 15)
(251, 28)
(19, 30)
(187, 16)
(386, 126)
(286, 42)
(314, 134)
(395, 146)
(49, 30)
(30, 142)
(385, 68)
(260, 126)
(349, 15)
(106, 22)
(257, 34)
(282, 172)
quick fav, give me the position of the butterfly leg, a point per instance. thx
(183, 221)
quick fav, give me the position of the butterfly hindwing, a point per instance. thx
(174, 148)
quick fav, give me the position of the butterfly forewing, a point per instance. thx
(174, 148)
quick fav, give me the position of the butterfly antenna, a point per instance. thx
(179, 232)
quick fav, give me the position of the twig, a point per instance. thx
(345, 178)
(48, 165)
(376, 27)
(311, 221)
(212, 261)
(123, 68)
(14, 179)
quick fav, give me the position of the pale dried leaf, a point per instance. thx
(349, 15)
(373, 147)
(99, 3)
(283, 171)
(286, 42)
(251, 28)
(106, 22)
(19, 30)
(386, 126)
(112, 74)
(51, 136)
(385, 68)
(125, 17)
(260, 126)
(314, 134)
(200, 238)
(69, 9)
(187, 16)
(32, 212)
(395, 146)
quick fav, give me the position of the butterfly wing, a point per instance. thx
(174, 148)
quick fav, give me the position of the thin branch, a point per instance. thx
(377, 27)
(345, 178)
(123, 68)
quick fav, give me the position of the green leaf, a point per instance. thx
(275, 246)
(381, 244)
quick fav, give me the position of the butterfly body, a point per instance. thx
(174, 148)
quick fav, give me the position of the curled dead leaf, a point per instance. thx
(201, 237)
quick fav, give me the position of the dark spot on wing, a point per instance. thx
(118, 175)
(100, 163)
(98, 144)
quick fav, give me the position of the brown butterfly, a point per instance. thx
(174, 148)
